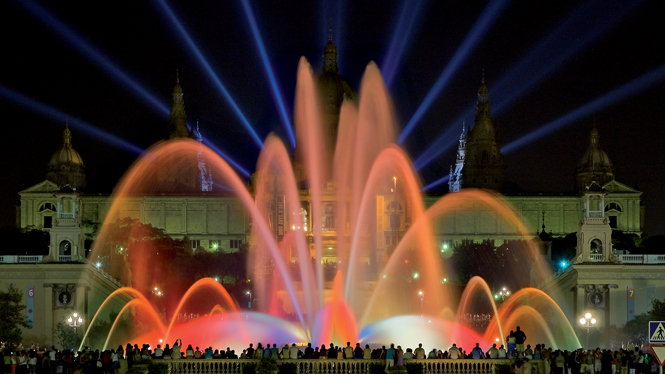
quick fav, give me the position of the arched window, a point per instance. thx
(613, 206)
(47, 207)
(65, 248)
(329, 213)
(485, 158)
(596, 246)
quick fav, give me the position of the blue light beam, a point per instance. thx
(631, 88)
(408, 15)
(58, 116)
(437, 182)
(212, 146)
(95, 55)
(486, 19)
(539, 64)
(189, 42)
(276, 91)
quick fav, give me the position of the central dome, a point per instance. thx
(66, 165)
(594, 165)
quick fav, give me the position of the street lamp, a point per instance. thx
(503, 294)
(75, 321)
(249, 303)
(422, 299)
(588, 321)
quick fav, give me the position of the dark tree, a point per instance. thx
(12, 316)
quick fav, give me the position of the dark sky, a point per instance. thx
(138, 38)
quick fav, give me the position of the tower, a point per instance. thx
(333, 90)
(67, 238)
(484, 164)
(179, 174)
(455, 182)
(177, 118)
(66, 165)
(594, 165)
(594, 235)
(205, 173)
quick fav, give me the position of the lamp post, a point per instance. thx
(422, 299)
(588, 321)
(503, 294)
(75, 321)
(249, 303)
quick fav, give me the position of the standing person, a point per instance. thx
(250, 351)
(419, 352)
(510, 343)
(493, 352)
(259, 352)
(520, 338)
(390, 356)
(309, 352)
(358, 352)
(597, 361)
(399, 356)
(559, 362)
(115, 361)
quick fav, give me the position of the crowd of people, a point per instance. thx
(581, 361)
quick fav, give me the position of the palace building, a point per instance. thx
(217, 221)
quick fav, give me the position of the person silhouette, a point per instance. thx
(660, 332)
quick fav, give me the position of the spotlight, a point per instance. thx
(189, 42)
(486, 19)
(276, 93)
(408, 16)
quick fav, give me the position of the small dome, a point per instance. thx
(66, 154)
(334, 89)
(66, 165)
(594, 166)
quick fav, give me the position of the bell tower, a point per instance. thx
(594, 235)
(67, 238)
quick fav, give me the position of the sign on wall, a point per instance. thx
(30, 304)
(631, 303)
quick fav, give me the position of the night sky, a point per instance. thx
(607, 44)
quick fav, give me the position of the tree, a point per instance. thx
(68, 338)
(635, 331)
(12, 316)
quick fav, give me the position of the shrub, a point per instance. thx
(288, 368)
(415, 368)
(249, 368)
(502, 369)
(377, 368)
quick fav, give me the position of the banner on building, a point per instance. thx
(30, 304)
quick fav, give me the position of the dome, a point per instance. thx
(66, 165)
(66, 154)
(595, 157)
(334, 89)
(595, 164)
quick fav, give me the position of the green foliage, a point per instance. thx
(376, 368)
(249, 368)
(12, 316)
(100, 330)
(159, 368)
(636, 330)
(501, 369)
(396, 369)
(288, 368)
(414, 368)
(67, 337)
(267, 366)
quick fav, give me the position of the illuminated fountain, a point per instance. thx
(393, 294)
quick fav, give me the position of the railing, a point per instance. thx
(348, 366)
(63, 258)
(634, 259)
(20, 259)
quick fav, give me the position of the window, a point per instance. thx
(47, 206)
(215, 244)
(196, 243)
(235, 243)
(596, 246)
(613, 206)
(48, 222)
(65, 248)
(329, 217)
(613, 222)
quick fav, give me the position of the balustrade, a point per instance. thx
(465, 366)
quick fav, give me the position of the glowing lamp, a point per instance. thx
(415, 275)
(582, 321)
(593, 321)
(587, 315)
